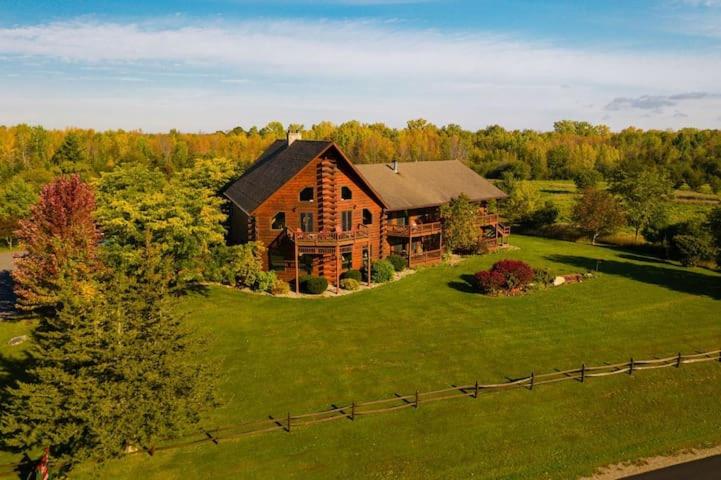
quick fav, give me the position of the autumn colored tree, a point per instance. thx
(597, 212)
(60, 241)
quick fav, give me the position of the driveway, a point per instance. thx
(7, 298)
(704, 469)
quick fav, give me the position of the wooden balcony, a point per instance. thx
(430, 256)
(328, 239)
(414, 230)
(487, 219)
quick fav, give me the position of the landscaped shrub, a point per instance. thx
(350, 284)
(507, 276)
(542, 277)
(382, 271)
(692, 249)
(314, 285)
(280, 287)
(399, 263)
(353, 274)
(237, 265)
(264, 281)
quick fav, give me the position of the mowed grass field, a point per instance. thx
(428, 331)
(687, 205)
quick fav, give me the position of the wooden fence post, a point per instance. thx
(288, 422)
(416, 405)
(719, 356)
(475, 395)
(583, 373)
(678, 360)
(352, 411)
(630, 367)
(533, 379)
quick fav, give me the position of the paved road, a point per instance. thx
(704, 469)
(7, 299)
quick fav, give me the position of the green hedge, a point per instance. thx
(354, 274)
(314, 285)
(399, 263)
(382, 271)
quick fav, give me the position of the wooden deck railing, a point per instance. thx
(414, 230)
(426, 257)
(328, 238)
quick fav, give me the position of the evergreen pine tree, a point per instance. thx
(109, 373)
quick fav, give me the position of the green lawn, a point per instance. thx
(428, 331)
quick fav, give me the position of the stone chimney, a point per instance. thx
(293, 136)
(394, 166)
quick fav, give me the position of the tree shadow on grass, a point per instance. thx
(684, 281)
(467, 284)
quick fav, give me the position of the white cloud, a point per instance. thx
(340, 70)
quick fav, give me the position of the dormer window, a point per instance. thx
(278, 222)
(306, 195)
(346, 193)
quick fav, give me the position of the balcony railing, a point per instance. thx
(328, 238)
(487, 219)
(414, 230)
(429, 256)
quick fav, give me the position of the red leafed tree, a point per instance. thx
(60, 241)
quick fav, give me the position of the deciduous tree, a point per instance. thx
(60, 240)
(459, 223)
(597, 212)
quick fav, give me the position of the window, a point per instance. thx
(306, 195)
(278, 222)
(306, 221)
(346, 220)
(347, 259)
(346, 193)
(276, 259)
(367, 217)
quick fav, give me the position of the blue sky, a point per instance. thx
(204, 66)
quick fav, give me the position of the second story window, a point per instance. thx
(346, 220)
(306, 195)
(346, 193)
(278, 222)
(367, 217)
(306, 221)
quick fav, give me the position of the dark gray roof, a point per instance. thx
(277, 165)
(426, 184)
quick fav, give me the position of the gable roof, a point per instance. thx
(278, 164)
(427, 184)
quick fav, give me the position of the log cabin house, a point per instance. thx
(318, 213)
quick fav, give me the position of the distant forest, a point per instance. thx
(30, 156)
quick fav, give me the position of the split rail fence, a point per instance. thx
(290, 422)
(355, 410)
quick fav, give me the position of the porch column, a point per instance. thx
(337, 270)
(297, 276)
(370, 273)
(410, 245)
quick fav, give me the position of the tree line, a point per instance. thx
(31, 156)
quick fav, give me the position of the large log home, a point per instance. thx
(318, 213)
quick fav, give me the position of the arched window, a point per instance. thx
(306, 195)
(346, 193)
(278, 222)
(367, 217)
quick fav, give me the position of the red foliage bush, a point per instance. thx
(505, 276)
